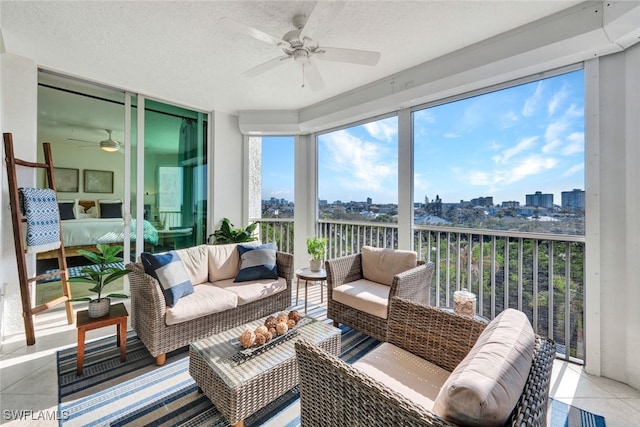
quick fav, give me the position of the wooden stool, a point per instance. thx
(117, 316)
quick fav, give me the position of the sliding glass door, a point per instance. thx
(175, 170)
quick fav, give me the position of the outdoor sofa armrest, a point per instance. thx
(284, 262)
(414, 284)
(343, 270)
(146, 297)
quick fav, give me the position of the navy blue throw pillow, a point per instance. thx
(110, 210)
(66, 211)
(168, 270)
(257, 262)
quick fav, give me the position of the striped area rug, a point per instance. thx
(138, 392)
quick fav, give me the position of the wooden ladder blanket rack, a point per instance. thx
(17, 219)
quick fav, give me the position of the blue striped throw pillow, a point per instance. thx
(168, 270)
(257, 262)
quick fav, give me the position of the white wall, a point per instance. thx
(19, 116)
(613, 215)
(226, 194)
(93, 158)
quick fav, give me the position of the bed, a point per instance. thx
(88, 222)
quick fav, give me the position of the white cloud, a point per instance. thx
(381, 130)
(451, 135)
(531, 166)
(360, 164)
(279, 193)
(425, 115)
(521, 146)
(480, 178)
(556, 100)
(532, 104)
(574, 169)
(508, 119)
(575, 144)
(553, 134)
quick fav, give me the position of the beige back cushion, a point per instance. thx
(224, 261)
(485, 387)
(381, 265)
(195, 260)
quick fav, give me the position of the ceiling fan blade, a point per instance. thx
(321, 17)
(266, 66)
(353, 56)
(312, 76)
(240, 28)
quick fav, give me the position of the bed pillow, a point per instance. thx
(167, 268)
(66, 210)
(257, 262)
(111, 210)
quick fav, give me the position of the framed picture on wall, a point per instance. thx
(98, 181)
(67, 180)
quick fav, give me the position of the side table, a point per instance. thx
(117, 316)
(310, 276)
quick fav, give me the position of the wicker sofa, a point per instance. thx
(361, 285)
(423, 343)
(212, 269)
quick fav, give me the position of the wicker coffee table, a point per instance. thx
(240, 386)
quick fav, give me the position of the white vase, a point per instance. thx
(315, 265)
(99, 308)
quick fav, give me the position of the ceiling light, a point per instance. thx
(109, 145)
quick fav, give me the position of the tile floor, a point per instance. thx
(28, 377)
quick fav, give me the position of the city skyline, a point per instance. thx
(504, 144)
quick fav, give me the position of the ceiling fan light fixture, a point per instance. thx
(109, 145)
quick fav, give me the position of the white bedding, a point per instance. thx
(89, 231)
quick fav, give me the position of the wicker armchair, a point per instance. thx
(333, 393)
(413, 284)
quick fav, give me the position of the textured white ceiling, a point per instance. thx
(176, 51)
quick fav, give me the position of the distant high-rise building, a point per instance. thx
(510, 204)
(573, 200)
(539, 199)
(482, 201)
(369, 200)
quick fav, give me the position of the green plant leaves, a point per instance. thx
(104, 275)
(228, 234)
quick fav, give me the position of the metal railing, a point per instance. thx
(541, 275)
(279, 230)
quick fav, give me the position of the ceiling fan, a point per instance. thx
(109, 145)
(301, 44)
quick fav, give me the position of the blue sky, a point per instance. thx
(504, 144)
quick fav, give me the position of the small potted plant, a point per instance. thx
(316, 247)
(100, 276)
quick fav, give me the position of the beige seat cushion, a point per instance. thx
(485, 387)
(364, 295)
(253, 290)
(413, 377)
(206, 299)
(381, 265)
(195, 261)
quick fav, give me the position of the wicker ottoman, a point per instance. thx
(239, 385)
